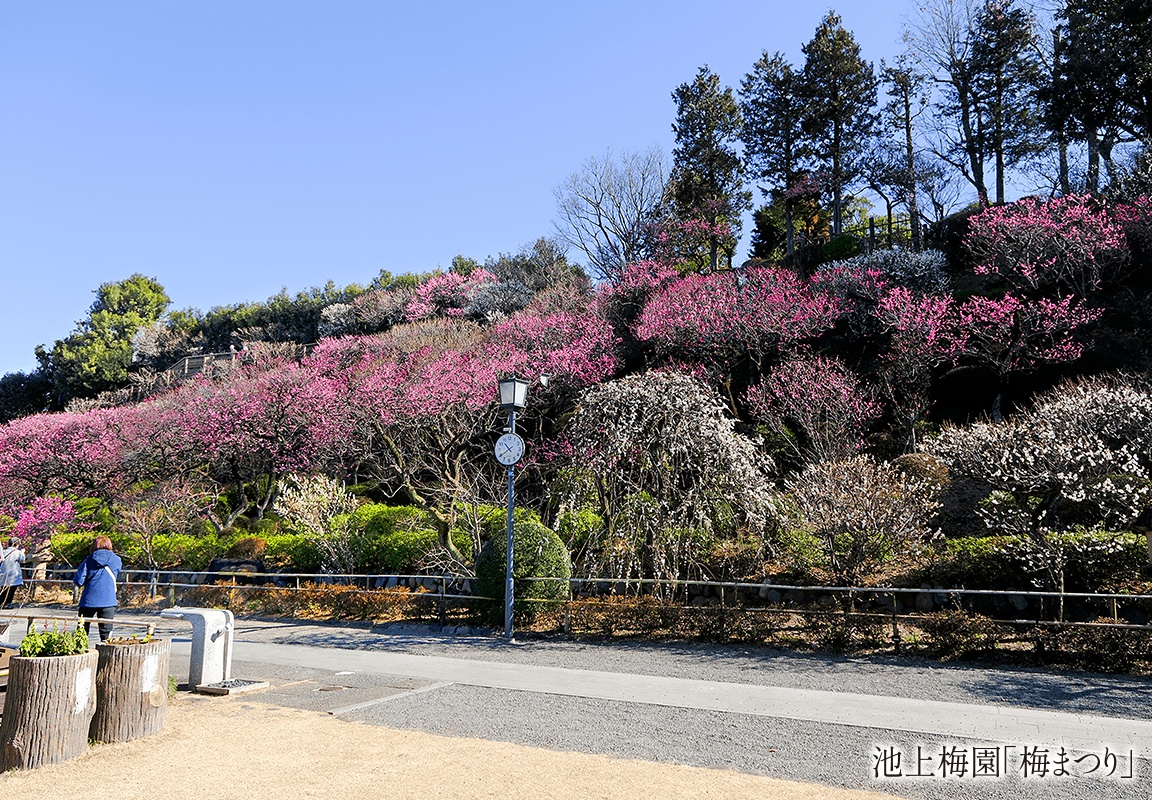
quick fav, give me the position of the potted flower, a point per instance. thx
(51, 699)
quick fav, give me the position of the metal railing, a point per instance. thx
(1051, 607)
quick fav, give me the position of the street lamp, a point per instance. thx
(509, 450)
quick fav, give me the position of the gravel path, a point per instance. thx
(916, 678)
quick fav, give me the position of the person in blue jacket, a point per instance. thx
(96, 577)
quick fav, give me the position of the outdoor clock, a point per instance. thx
(509, 449)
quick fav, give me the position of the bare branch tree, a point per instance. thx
(606, 208)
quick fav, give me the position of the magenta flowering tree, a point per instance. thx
(446, 294)
(922, 336)
(575, 348)
(725, 318)
(259, 425)
(697, 238)
(1074, 243)
(422, 398)
(1011, 335)
(816, 407)
(621, 301)
(34, 523)
(91, 452)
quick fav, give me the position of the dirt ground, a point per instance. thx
(234, 748)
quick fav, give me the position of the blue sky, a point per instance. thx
(231, 148)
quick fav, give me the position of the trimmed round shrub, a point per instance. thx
(538, 553)
(495, 519)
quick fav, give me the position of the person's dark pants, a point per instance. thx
(6, 593)
(105, 612)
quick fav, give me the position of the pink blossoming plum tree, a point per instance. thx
(815, 406)
(1073, 244)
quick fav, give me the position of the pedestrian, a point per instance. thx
(11, 574)
(96, 577)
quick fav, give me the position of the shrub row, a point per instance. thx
(384, 539)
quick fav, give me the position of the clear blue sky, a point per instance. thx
(229, 148)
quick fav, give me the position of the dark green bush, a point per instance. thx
(1095, 560)
(538, 553)
(71, 548)
(397, 538)
(984, 562)
(575, 528)
(841, 247)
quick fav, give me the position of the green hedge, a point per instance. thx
(383, 538)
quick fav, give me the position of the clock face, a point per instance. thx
(509, 449)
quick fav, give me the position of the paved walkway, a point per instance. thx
(996, 723)
(941, 719)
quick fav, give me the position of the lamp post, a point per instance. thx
(509, 451)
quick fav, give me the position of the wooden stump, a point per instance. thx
(49, 707)
(131, 690)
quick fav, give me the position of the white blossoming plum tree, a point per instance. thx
(661, 462)
(1088, 443)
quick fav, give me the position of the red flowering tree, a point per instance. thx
(724, 317)
(816, 406)
(1074, 243)
(422, 397)
(1012, 336)
(259, 425)
(34, 523)
(922, 335)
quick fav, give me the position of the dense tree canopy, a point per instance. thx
(97, 355)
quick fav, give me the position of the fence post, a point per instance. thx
(723, 615)
(443, 614)
(895, 626)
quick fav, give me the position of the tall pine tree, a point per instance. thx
(839, 88)
(707, 171)
(774, 143)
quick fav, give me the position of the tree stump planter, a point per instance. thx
(131, 690)
(50, 703)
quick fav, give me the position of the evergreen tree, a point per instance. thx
(96, 356)
(774, 143)
(707, 171)
(1007, 75)
(839, 89)
(1101, 87)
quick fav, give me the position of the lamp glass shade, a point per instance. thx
(513, 392)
